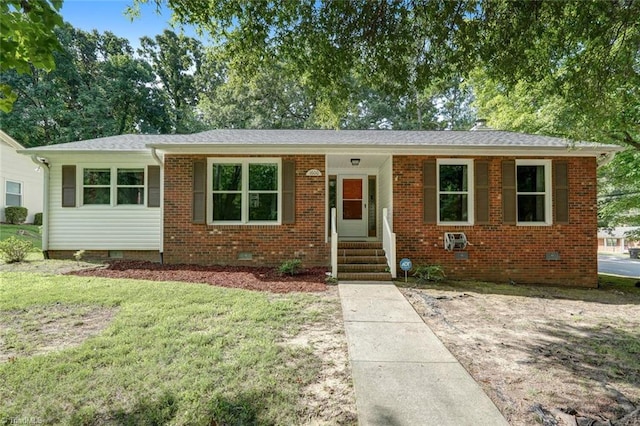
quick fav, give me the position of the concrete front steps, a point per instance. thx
(362, 261)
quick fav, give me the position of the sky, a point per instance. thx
(109, 15)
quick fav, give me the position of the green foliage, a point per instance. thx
(15, 215)
(79, 255)
(167, 352)
(27, 40)
(99, 88)
(37, 219)
(426, 273)
(290, 267)
(176, 60)
(14, 249)
(26, 232)
(578, 50)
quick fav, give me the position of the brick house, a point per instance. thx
(487, 205)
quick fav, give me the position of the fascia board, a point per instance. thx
(237, 149)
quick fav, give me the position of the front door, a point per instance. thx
(352, 206)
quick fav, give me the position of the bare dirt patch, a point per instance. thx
(541, 357)
(42, 329)
(47, 266)
(248, 278)
(330, 399)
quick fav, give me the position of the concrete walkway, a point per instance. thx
(403, 374)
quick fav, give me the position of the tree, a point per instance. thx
(27, 40)
(176, 60)
(578, 49)
(97, 89)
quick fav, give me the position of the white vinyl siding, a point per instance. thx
(19, 168)
(101, 227)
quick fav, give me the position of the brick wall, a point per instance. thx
(503, 252)
(186, 242)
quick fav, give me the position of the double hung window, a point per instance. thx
(533, 191)
(455, 198)
(112, 185)
(244, 190)
(13, 194)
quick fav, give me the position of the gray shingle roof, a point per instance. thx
(309, 138)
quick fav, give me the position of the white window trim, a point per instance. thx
(548, 207)
(144, 185)
(470, 187)
(6, 192)
(244, 161)
(113, 185)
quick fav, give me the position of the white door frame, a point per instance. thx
(353, 228)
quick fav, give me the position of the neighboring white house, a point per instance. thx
(21, 184)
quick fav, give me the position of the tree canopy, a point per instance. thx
(27, 40)
(577, 49)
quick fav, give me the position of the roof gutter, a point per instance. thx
(154, 154)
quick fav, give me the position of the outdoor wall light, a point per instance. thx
(355, 161)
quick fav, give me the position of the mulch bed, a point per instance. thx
(248, 278)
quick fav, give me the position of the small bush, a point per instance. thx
(37, 219)
(425, 273)
(15, 215)
(290, 267)
(13, 249)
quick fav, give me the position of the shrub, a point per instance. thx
(15, 215)
(13, 249)
(290, 267)
(425, 273)
(37, 219)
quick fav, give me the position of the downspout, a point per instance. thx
(158, 160)
(45, 204)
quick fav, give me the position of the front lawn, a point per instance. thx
(86, 350)
(23, 232)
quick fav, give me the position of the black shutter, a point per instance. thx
(288, 191)
(561, 191)
(153, 186)
(199, 191)
(68, 186)
(429, 191)
(481, 194)
(509, 215)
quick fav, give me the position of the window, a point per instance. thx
(111, 186)
(96, 186)
(13, 194)
(455, 199)
(130, 186)
(244, 190)
(533, 192)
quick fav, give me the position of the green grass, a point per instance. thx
(172, 353)
(23, 232)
